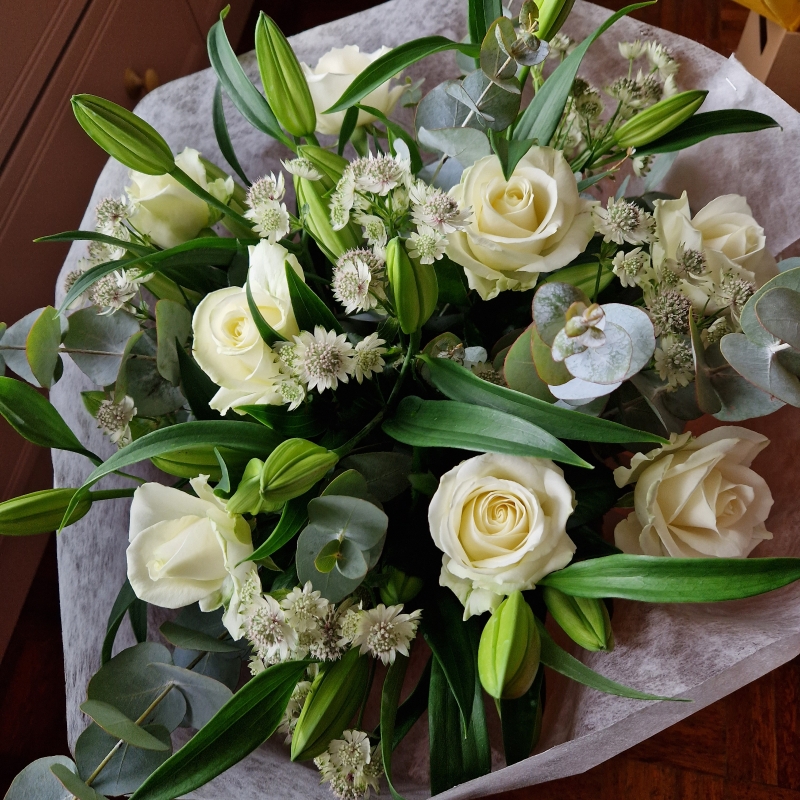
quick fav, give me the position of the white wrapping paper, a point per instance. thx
(692, 651)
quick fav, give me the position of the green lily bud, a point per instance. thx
(282, 76)
(508, 654)
(659, 119)
(194, 461)
(317, 219)
(292, 468)
(40, 512)
(400, 588)
(330, 165)
(414, 287)
(552, 15)
(584, 619)
(333, 700)
(123, 135)
(247, 497)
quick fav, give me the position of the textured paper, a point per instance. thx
(693, 651)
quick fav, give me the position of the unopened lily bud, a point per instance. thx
(282, 76)
(123, 135)
(330, 165)
(508, 654)
(414, 287)
(40, 512)
(334, 697)
(584, 619)
(247, 497)
(312, 195)
(400, 588)
(552, 15)
(194, 461)
(659, 119)
(292, 468)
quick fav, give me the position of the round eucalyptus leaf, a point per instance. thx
(682, 403)
(114, 722)
(341, 517)
(550, 304)
(778, 311)
(552, 372)
(789, 277)
(580, 392)
(607, 364)
(327, 557)
(640, 330)
(497, 106)
(41, 347)
(466, 145)
(439, 109)
(151, 393)
(351, 562)
(16, 337)
(37, 782)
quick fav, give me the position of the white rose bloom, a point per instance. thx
(697, 497)
(535, 222)
(163, 209)
(501, 522)
(185, 549)
(725, 225)
(334, 72)
(268, 285)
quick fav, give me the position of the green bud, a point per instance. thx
(313, 195)
(659, 119)
(330, 165)
(552, 15)
(292, 468)
(334, 697)
(282, 76)
(247, 497)
(584, 619)
(40, 512)
(123, 135)
(194, 461)
(508, 654)
(400, 588)
(414, 287)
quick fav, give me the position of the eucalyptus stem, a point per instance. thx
(80, 351)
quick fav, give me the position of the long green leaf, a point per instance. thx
(414, 706)
(540, 119)
(36, 420)
(561, 661)
(708, 124)
(198, 388)
(395, 61)
(190, 639)
(461, 384)
(674, 580)
(94, 236)
(397, 132)
(390, 699)
(247, 720)
(265, 330)
(309, 310)
(252, 105)
(293, 518)
(303, 423)
(223, 137)
(480, 16)
(125, 602)
(444, 423)
(521, 721)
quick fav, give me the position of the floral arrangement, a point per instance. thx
(399, 407)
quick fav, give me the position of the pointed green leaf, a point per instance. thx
(223, 137)
(390, 700)
(174, 327)
(114, 722)
(521, 721)
(95, 236)
(41, 346)
(293, 517)
(265, 330)
(74, 784)
(125, 601)
(190, 639)
(309, 310)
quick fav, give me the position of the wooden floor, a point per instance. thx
(745, 747)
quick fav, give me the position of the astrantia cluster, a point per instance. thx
(623, 221)
(268, 214)
(384, 632)
(358, 281)
(351, 765)
(115, 417)
(116, 290)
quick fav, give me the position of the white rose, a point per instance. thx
(227, 344)
(534, 222)
(185, 549)
(697, 497)
(725, 226)
(501, 522)
(334, 72)
(163, 209)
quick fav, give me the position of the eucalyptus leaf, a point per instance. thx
(195, 640)
(74, 784)
(41, 346)
(90, 330)
(13, 346)
(653, 389)
(174, 327)
(583, 277)
(247, 720)
(435, 423)
(759, 364)
(550, 372)
(460, 384)
(466, 145)
(788, 277)
(778, 311)
(204, 696)
(386, 474)
(521, 372)
(639, 328)
(439, 109)
(496, 63)
(550, 304)
(37, 782)
(674, 580)
(128, 767)
(152, 395)
(350, 483)
(607, 364)
(117, 724)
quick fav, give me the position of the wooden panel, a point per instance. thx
(32, 38)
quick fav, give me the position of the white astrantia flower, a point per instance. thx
(384, 632)
(674, 361)
(426, 244)
(351, 766)
(268, 631)
(641, 165)
(267, 212)
(630, 267)
(561, 45)
(266, 189)
(289, 360)
(374, 229)
(111, 214)
(304, 608)
(348, 622)
(115, 418)
(340, 214)
(369, 357)
(293, 709)
(328, 645)
(114, 291)
(324, 358)
(668, 309)
(650, 89)
(302, 168)
(436, 209)
(623, 221)
(292, 393)
(351, 285)
(661, 59)
(670, 86)
(632, 50)
(627, 91)
(714, 332)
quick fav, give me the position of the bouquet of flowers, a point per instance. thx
(398, 408)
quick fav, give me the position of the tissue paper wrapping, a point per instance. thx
(702, 652)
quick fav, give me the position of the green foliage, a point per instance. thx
(390, 700)
(223, 137)
(41, 347)
(521, 721)
(173, 327)
(37, 782)
(125, 603)
(309, 310)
